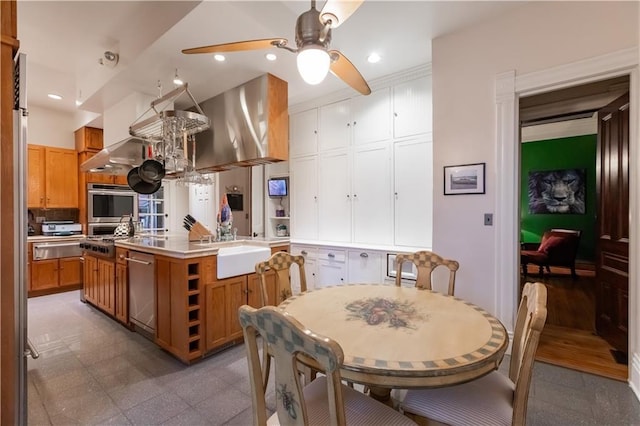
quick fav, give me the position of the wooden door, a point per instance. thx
(237, 296)
(44, 274)
(36, 176)
(122, 294)
(70, 273)
(61, 179)
(612, 258)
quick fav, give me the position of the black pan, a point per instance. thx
(151, 171)
(138, 185)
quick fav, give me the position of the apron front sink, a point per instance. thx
(240, 260)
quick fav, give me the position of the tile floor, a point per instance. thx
(94, 371)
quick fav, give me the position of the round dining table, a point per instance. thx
(402, 337)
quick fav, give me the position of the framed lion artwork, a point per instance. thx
(557, 191)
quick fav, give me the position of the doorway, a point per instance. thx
(559, 136)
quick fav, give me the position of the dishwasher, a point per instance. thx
(142, 312)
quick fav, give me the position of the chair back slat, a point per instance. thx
(530, 320)
(288, 341)
(426, 261)
(280, 263)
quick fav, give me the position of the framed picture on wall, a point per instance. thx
(464, 179)
(557, 191)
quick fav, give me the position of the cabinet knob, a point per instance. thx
(354, 123)
(355, 195)
(348, 124)
(395, 114)
(303, 252)
(331, 255)
(364, 255)
(348, 196)
(315, 132)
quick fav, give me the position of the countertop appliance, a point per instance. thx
(142, 292)
(61, 228)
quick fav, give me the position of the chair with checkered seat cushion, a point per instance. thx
(494, 399)
(325, 401)
(426, 261)
(276, 291)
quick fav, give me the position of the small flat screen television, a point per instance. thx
(278, 187)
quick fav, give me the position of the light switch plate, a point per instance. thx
(488, 219)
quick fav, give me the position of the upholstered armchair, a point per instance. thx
(558, 247)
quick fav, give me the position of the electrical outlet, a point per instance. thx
(488, 219)
(40, 219)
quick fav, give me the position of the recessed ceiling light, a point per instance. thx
(54, 96)
(373, 58)
(271, 56)
(218, 57)
(78, 102)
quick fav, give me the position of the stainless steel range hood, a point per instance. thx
(116, 159)
(249, 126)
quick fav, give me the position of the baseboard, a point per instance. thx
(634, 379)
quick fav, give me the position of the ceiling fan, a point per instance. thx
(313, 36)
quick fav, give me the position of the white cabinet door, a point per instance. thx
(371, 198)
(372, 117)
(335, 126)
(304, 199)
(334, 201)
(303, 133)
(365, 266)
(413, 193)
(412, 108)
(310, 255)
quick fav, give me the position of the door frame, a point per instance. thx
(509, 88)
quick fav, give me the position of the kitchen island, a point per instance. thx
(190, 291)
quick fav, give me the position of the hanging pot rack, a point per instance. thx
(186, 122)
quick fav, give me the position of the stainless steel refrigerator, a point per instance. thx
(23, 346)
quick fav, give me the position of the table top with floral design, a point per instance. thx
(403, 337)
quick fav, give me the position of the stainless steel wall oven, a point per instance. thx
(106, 204)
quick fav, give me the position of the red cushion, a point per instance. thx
(549, 243)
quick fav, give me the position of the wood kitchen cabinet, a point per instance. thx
(222, 300)
(99, 283)
(122, 287)
(88, 138)
(179, 312)
(50, 185)
(52, 275)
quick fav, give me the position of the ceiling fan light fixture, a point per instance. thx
(313, 64)
(373, 58)
(218, 57)
(271, 56)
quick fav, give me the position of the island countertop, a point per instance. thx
(180, 247)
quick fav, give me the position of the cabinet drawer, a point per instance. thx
(307, 252)
(332, 255)
(365, 266)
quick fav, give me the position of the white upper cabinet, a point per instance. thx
(372, 117)
(371, 199)
(335, 125)
(413, 193)
(334, 204)
(304, 198)
(303, 133)
(412, 110)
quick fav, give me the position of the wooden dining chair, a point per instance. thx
(495, 399)
(426, 262)
(274, 292)
(280, 263)
(325, 400)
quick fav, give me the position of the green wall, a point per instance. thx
(578, 152)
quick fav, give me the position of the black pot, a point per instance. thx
(151, 171)
(138, 185)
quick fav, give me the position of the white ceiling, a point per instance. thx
(64, 41)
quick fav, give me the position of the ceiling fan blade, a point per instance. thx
(342, 68)
(237, 46)
(338, 11)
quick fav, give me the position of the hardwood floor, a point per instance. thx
(569, 339)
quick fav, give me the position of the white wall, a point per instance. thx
(50, 127)
(533, 37)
